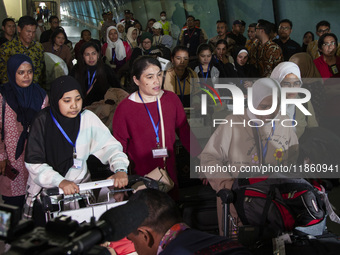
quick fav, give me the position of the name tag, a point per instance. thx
(77, 163)
(160, 153)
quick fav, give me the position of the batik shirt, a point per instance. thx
(35, 51)
(265, 57)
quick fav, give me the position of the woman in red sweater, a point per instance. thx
(136, 123)
(328, 63)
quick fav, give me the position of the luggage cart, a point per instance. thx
(53, 199)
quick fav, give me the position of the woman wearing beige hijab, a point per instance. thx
(311, 80)
(131, 37)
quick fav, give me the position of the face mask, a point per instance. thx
(163, 18)
(40, 24)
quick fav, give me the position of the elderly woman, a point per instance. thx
(260, 142)
(288, 75)
(136, 122)
(21, 100)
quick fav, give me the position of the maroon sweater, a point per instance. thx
(133, 128)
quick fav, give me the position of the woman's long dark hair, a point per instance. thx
(81, 71)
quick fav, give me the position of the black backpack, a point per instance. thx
(277, 205)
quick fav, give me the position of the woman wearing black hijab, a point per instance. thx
(94, 76)
(62, 138)
(20, 100)
(243, 69)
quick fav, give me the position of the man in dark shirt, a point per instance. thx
(221, 29)
(8, 26)
(191, 36)
(289, 47)
(163, 231)
(236, 35)
(128, 21)
(46, 35)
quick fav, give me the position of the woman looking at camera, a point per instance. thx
(20, 101)
(95, 77)
(115, 51)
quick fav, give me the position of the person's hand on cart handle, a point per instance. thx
(120, 179)
(69, 187)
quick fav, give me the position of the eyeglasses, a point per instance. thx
(284, 28)
(286, 84)
(320, 31)
(328, 44)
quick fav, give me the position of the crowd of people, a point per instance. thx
(47, 136)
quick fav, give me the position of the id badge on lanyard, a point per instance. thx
(157, 152)
(160, 153)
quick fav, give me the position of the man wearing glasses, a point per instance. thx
(265, 54)
(322, 27)
(288, 46)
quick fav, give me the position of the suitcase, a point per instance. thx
(198, 208)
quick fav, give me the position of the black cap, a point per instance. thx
(127, 12)
(237, 22)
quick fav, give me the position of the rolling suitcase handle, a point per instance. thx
(227, 197)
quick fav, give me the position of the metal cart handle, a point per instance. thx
(82, 187)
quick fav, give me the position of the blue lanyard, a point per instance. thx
(206, 76)
(293, 122)
(129, 43)
(180, 89)
(156, 128)
(265, 148)
(64, 134)
(113, 54)
(90, 82)
(216, 58)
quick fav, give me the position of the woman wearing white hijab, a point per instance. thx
(252, 140)
(288, 75)
(121, 31)
(116, 51)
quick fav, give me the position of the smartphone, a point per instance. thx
(11, 173)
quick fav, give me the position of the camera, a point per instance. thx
(9, 217)
(62, 235)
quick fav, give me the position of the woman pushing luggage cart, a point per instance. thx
(61, 139)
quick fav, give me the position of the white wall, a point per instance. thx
(15, 8)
